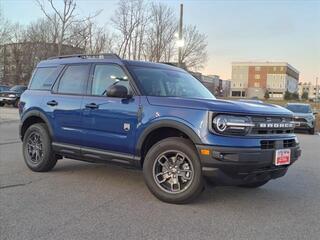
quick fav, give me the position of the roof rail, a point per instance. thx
(101, 55)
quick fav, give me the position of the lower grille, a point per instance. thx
(289, 143)
(272, 144)
(267, 144)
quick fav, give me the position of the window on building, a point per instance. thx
(243, 94)
(274, 69)
(74, 79)
(257, 68)
(236, 93)
(257, 76)
(282, 68)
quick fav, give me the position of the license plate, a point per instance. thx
(282, 157)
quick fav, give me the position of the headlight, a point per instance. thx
(231, 125)
(11, 95)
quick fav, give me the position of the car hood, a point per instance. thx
(224, 106)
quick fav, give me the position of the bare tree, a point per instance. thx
(130, 21)
(64, 20)
(6, 29)
(194, 52)
(160, 35)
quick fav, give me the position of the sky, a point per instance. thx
(242, 30)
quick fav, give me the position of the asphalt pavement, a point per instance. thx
(80, 200)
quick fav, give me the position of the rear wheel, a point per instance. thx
(1, 104)
(172, 170)
(37, 150)
(254, 184)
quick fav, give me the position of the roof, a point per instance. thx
(106, 58)
(263, 64)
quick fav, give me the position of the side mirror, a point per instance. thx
(118, 91)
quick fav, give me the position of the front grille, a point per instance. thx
(300, 120)
(266, 121)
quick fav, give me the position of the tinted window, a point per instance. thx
(170, 83)
(106, 75)
(43, 78)
(74, 79)
(300, 108)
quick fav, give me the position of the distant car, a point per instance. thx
(303, 116)
(12, 96)
(4, 88)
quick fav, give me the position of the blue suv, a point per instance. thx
(156, 117)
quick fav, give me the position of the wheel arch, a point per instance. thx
(31, 117)
(165, 124)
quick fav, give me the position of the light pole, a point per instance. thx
(180, 42)
(317, 92)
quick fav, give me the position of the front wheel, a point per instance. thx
(172, 171)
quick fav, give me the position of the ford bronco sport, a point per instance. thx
(155, 117)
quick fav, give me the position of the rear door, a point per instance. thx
(64, 104)
(109, 123)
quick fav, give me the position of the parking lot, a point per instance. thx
(79, 200)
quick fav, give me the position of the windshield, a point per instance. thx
(18, 88)
(299, 108)
(170, 83)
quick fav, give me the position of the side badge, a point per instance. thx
(126, 127)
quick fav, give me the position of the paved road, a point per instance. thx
(91, 201)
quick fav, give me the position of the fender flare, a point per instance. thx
(35, 113)
(167, 123)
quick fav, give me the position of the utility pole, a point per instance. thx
(180, 35)
(317, 93)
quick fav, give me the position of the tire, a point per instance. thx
(42, 159)
(186, 171)
(1, 104)
(311, 131)
(254, 184)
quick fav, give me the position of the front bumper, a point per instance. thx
(235, 166)
(8, 100)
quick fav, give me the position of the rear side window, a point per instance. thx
(73, 80)
(43, 78)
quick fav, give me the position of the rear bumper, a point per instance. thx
(234, 166)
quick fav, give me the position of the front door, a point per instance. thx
(109, 123)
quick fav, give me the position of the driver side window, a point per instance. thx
(106, 75)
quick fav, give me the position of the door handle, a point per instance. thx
(92, 106)
(52, 103)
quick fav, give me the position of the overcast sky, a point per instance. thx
(251, 30)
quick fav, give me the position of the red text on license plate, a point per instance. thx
(282, 157)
